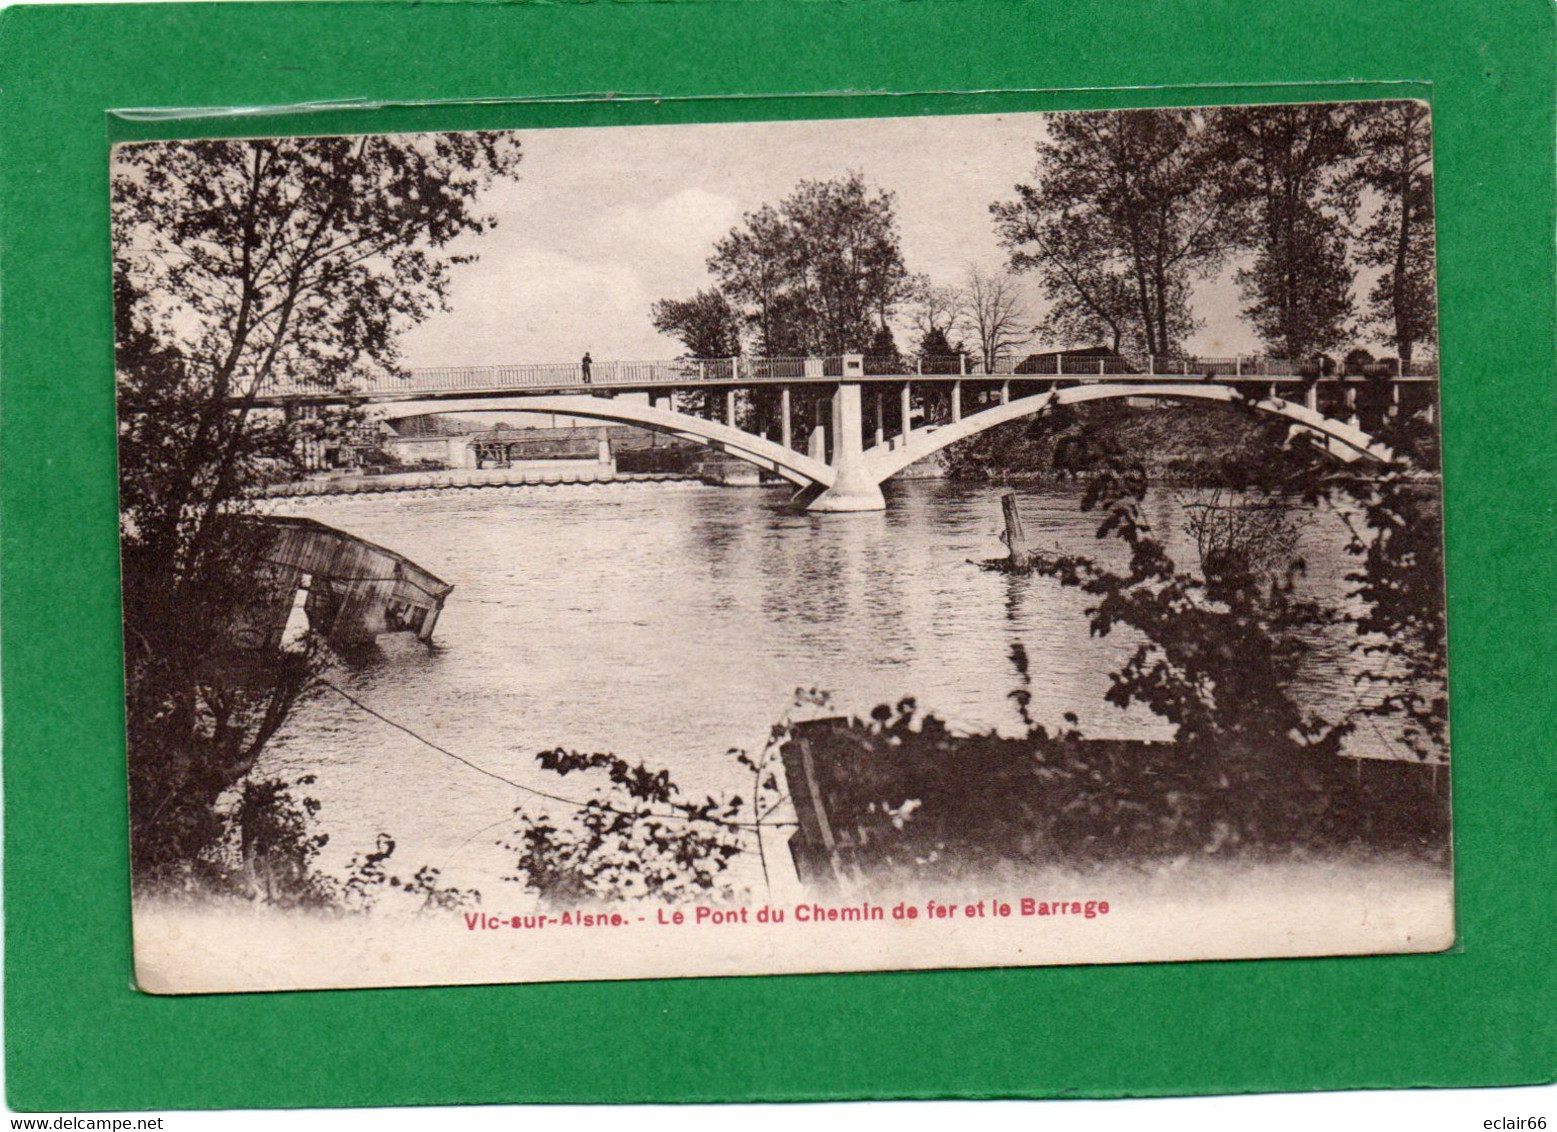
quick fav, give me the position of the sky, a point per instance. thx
(602, 222)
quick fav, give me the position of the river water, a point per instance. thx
(669, 623)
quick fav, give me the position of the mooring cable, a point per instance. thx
(574, 802)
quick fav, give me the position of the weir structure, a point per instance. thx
(858, 438)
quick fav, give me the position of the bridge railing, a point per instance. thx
(951, 366)
(781, 369)
(1095, 365)
(687, 371)
(1066, 365)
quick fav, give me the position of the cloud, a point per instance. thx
(552, 282)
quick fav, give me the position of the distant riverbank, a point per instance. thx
(1176, 446)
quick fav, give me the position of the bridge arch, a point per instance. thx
(796, 467)
(884, 461)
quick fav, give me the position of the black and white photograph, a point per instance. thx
(774, 547)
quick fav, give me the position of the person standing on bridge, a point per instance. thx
(585, 366)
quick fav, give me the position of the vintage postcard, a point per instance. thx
(735, 549)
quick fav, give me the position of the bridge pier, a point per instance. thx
(817, 446)
(855, 489)
(956, 401)
(906, 410)
(881, 420)
(729, 407)
(786, 436)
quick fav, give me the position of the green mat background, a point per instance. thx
(79, 1037)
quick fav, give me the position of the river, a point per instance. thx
(669, 623)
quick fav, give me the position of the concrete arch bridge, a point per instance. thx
(836, 469)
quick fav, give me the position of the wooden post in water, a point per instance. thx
(1015, 537)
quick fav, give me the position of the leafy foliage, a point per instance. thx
(267, 848)
(239, 264)
(641, 841)
(1221, 656)
(1124, 211)
(1287, 172)
(707, 327)
(1127, 209)
(264, 849)
(1396, 522)
(819, 273)
(1395, 609)
(369, 878)
(910, 800)
(1396, 166)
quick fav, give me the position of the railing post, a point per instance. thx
(962, 365)
(1100, 370)
(1238, 365)
(735, 368)
(919, 366)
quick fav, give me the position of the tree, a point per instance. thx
(935, 312)
(752, 266)
(282, 260)
(1089, 298)
(1286, 167)
(708, 327)
(240, 266)
(883, 344)
(820, 273)
(997, 313)
(706, 324)
(935, 345)
(1396, 165)
(1124, 212)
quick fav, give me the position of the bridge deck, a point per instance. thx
(636, 377)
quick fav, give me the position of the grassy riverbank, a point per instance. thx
(1196, 446)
